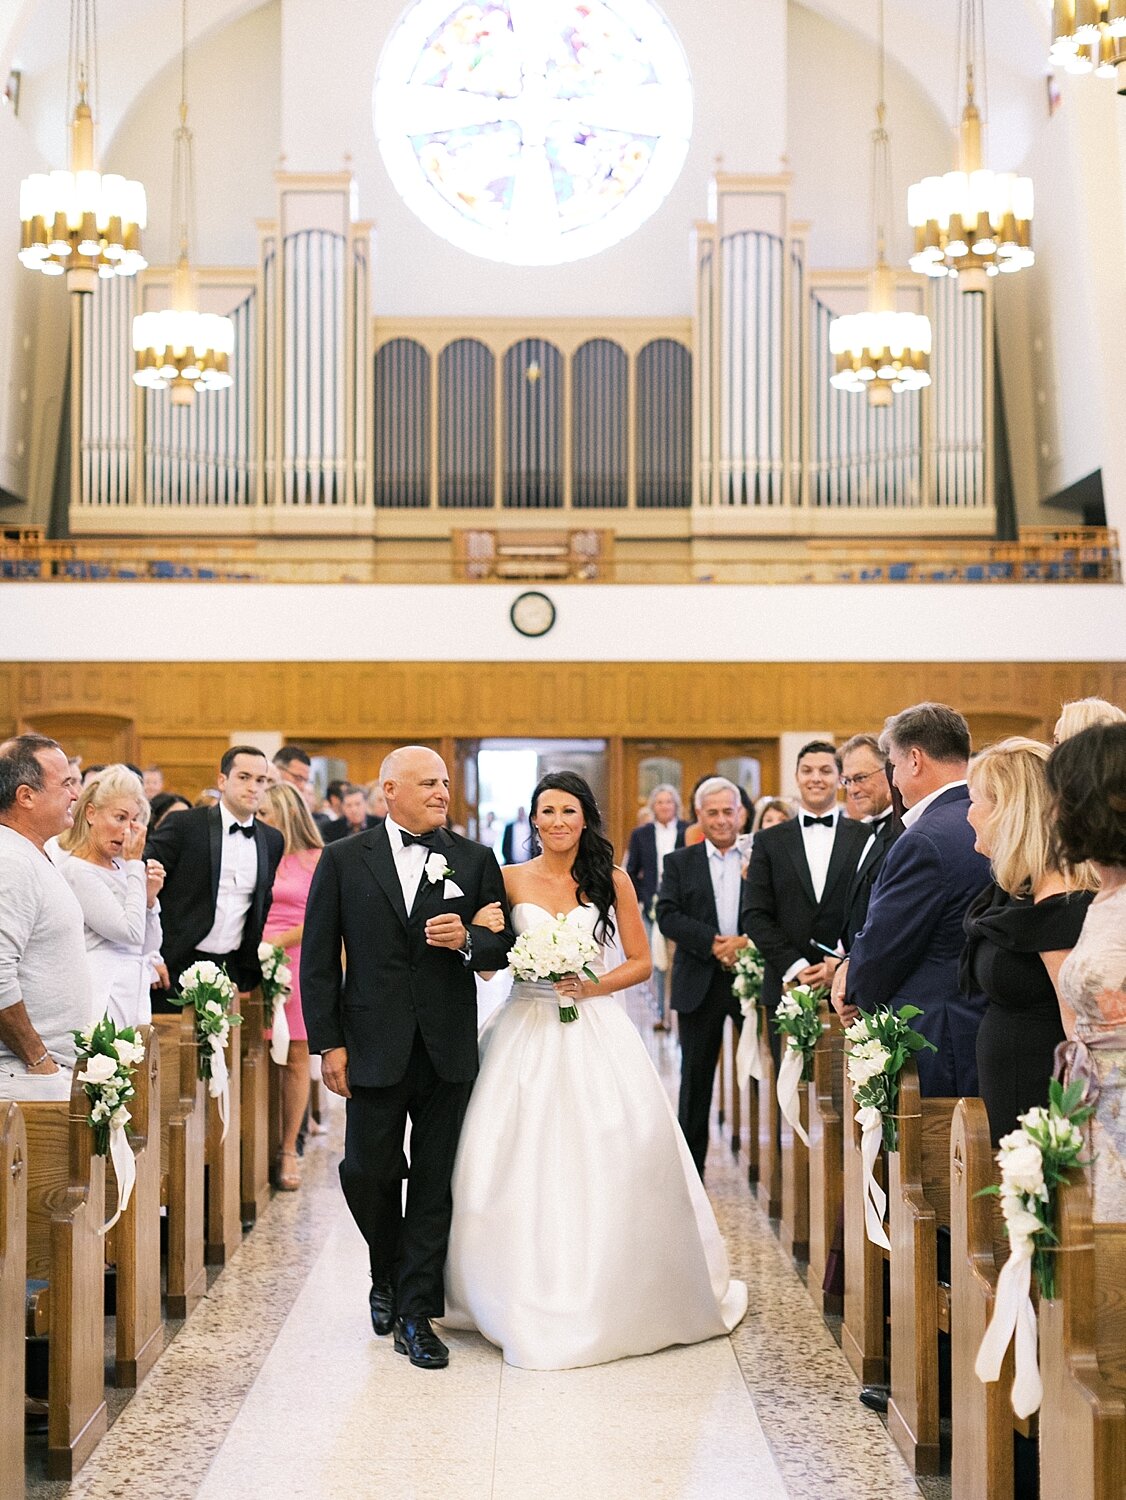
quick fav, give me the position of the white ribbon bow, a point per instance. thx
(279, 1028)
(871, 1124)
(1013, 1314)
(219, 1084)
(789, 1076)
(125, 1170)
(748, 1054)
(658, 949)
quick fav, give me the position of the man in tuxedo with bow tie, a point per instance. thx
(220, 864)
(396, 1027)
(798, 881)
(867, 800)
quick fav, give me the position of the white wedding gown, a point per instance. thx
(581, 1231)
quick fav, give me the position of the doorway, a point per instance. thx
(507, 771)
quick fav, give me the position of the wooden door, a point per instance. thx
(100, 739)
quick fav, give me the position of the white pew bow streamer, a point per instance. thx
(871, 1124)
(658, 949)
(219, 1084)
(748, 1054)
(1013, 1314)
(789, 1076)
(279, 1028)
(125, 1169)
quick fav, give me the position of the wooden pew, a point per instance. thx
(133, 1244)
(182, 1133)
(793, 1222)
(865, 1318)
(255, 1116)
(918, 1206)
(826, 1158)
(224, 1166)
(983, 1420)
(1083, 1357)
(13, 1280)
(769, 1186)
(65, 1248)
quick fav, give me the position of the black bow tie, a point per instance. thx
(426, 839)
(809, 821)
(878, 823)
(247, 832)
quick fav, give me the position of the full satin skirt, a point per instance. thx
(581, 1231)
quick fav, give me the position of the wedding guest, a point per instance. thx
(910, 947)
(645, 862)
(1020, 929)
(295, 768)
(797, 882)
(220, 864)
(747, 813)
(770, 812)
(89, 774)
(698, 910)
(153, 782)
(516, 840)
(868, 800)
(1085, 713)
(44, 986)
(694, 834)
(163, 804)
(209, 797)
(331, 810)
(487, 832)
(284, 808)
(355, 819)
(117, 892)
(1087, 778)
(376, 801)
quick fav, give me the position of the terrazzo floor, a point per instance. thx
(276, 1386)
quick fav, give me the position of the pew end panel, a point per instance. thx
(182, 1138)
(224, 1165)
(255, 1116)
(864, 1319)
(13, 1281)
(793, 1224)
(826, 1163)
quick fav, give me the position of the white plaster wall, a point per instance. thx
(278, 622)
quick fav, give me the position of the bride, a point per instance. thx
(581, 1231)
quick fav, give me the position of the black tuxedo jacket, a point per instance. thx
(390, 982)
(641, 860)
(781, 915)
(511, 856)
(342, 829)
(864, 878)
(190, 847)
(686, 914)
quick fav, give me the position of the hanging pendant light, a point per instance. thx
(1089, 36)
(971, 223)
(81, 222)
(180, 348)
(880, 351)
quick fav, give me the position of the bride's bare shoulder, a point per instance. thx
(516, 880)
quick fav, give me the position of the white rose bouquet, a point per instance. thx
(107, 1059)
(277, 986)
(211, 991)
(798, 1019)
(879, 1043)
(746, 986)
(551, 951)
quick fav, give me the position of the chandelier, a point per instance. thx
(1089, 36)
(180, 348)
(971, 223)
(81, 222)
(880, 351)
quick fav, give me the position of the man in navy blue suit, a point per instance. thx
(909, 948)
(645, 863)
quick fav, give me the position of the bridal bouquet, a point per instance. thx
(551, 951)
(211, 991)
(746, 986)
(798, 1019)
(1034, 1160)
(277, 986)
(106, 1059)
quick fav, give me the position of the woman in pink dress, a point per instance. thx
(285, 810)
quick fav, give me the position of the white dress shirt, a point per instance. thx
(665, 834)
(238, 875)
(913, 814)
(725, 866)
(410, 860)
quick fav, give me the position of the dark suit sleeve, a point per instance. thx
(166, 842)
(276, 847)
(689, 932)
(759, 916)
(904, 910)
(490, 949)
(633, 861)
(321, 969)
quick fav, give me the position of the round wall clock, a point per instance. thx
(532, 613)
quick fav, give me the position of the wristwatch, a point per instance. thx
(466, 949)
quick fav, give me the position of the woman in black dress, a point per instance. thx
(1019, 930)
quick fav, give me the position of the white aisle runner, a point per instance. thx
(336, 1412)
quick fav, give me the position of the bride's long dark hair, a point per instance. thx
(593, 868)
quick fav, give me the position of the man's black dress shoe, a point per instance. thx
(415, 1338)
(874, 1397)
(381, 1300)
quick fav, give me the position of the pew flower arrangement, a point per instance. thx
(880, 1043)
(747, 989)
(209, 989)
(546, 953)
(277, 986)
(107, 1058)
(1034, 1159)
(798, 1019)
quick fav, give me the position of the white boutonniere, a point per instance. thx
(436, 868)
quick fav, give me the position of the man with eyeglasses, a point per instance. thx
(867, 799)
(293, 765)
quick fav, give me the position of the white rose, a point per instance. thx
(213, 1008)
(120, 1117)
(128, 1052)
(265, 951)
(100, 1112)
(99, 1069)
(207, 972)
(435, 868)
(1021, 1223)
(1022, 1169)
(284, 976)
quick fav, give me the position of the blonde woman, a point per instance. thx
(100, 859)
(1020, 929)
(1085, 713)
(284, 808)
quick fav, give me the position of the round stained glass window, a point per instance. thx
(533, 131)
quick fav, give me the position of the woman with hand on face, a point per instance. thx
(117, 891)
(581, 1231)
